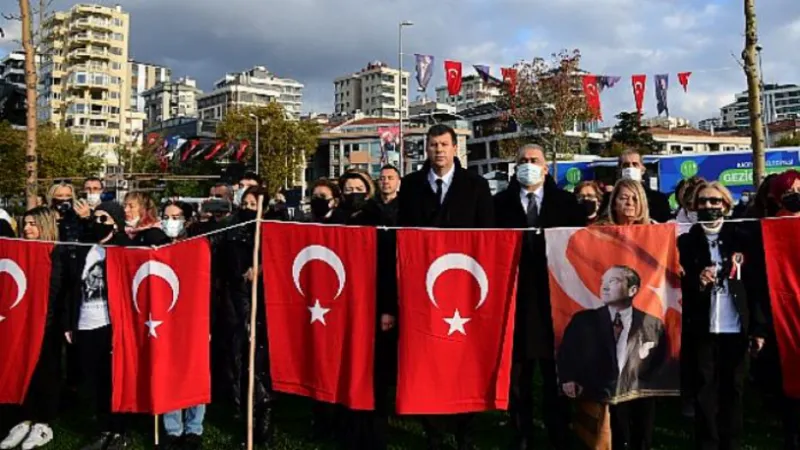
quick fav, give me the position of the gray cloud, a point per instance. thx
(315, 41)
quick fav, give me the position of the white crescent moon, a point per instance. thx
(321, 253)
(12, 268)
(452, 72)
(157, 269)
(639, 86)
(460, 261)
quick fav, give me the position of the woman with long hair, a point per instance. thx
(357, 188)
(41, 401)
(590, 196)
(627, 205)
(142, 224)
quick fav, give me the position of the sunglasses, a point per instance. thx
(62, 181)
(713, 201)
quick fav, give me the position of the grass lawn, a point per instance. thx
(293, 429)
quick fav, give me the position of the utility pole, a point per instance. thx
(401, 97)
(754, 91)
(28, 45)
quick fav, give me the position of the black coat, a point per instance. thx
(467, 204)
(658, 204)
(749, 293)
(588, 354)
(149, 237)
(533, 330)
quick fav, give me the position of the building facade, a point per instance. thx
(710, 124)
(683, 140)
(372, 91)
(780, 102)
(474, 92)
(255, 87)
(171, 99)
(144, 76)
(667, 122)
(12, 68)
(84, 74)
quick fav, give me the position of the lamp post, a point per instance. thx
(258, 160)
(766, 116)
(402, 24)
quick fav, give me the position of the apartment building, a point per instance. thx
(254, 87)
(12, 68)
(168, 99)
(371, 91)
(85, 74)
(143, 77)
(474, 92)
(780, 102)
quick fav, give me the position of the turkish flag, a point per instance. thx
(638, 82)
(510, 78)
(592, 96)
(192, 145)
(214, 150)
(452, 70)
(242, 148)
(683, 79)
(24, 295)
(158, 301)
(457, 294)
(320, 293)
(782, 254)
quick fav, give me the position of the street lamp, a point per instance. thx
(765, 117)
(405, 23)
(258, 162)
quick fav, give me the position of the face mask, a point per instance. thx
(710, 214)
(237, 196)
(589, 207)
(791, 202)
(247, 215)
(632, 173)
(62, 206)
(355, 200)
(132, 223)
(320, 207)
(529, 174)
(173, 227)
(93, 198)
(692, 216)
(99, 231)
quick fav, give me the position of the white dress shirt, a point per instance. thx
(538, 194)
(447, 180)
(723, 317)
(622, 344)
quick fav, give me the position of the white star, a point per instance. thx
(318, 313)
(152, 325)
(457, 323)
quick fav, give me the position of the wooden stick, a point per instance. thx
(155, 425)
(253, 308)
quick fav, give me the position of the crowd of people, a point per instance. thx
(725, 322)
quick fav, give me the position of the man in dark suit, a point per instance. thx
(444, 195)
(533, 199)
(615, 351)
(630, 166)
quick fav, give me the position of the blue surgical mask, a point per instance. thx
(529, 174)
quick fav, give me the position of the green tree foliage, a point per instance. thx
(630, 133)
(283, 143)
(789, 140)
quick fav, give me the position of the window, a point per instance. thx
(115, 50)
(113, 95)
(117, 36)
(116, 66)
(118, 22)
(80, 78)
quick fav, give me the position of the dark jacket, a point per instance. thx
(748, 293)
(658, 204)
(588, 354)
(467, 204)
(378, 213)
(6, 230)
(149, 237)
(533, 330)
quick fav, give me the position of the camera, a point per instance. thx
(63, 207)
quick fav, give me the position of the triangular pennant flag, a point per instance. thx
(510, 78)
(605, 81)
(242, 148)
(683, 79)
(484, 73)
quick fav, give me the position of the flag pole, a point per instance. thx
(155, 426)
(253, 308)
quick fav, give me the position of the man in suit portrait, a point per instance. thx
(615, 350)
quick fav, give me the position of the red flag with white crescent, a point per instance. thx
(242, 148)
(320, 293)
(457, 297)
(452, 70)
(189, 148)
(638, 82)
(216, 149)
(683, 79)
(510, 78)
(592, 95)
(24, 295)
(159, 305)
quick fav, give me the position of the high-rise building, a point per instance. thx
(780, 102)
(474, 92)
(12, 68)
(254, 87)
(171, 99)
(143, 77)
(372, 91)
(85, 74)
(710, 124)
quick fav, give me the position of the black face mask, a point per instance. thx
(709, 214)
(99, 231)
(320, 207)
(62, 207)
(247, 215)
(589, 207)
(791, 202)
(772, 207)
(355, 200)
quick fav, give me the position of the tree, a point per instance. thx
(789, 140)
(30, 90)
(549, 100)
(283, 143)
(630, 133)
(754, 91)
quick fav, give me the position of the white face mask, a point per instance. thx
(173, 227)
(132, 223)
(632, 173)
(529, 174)
(237, 196)
(93, 199)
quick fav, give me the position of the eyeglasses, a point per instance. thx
(713, 201)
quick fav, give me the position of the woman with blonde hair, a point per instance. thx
(628, 205)
(142, 223)
(41, 401)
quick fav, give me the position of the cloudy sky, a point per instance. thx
(314, 41)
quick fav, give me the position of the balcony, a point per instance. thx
(85, 23)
